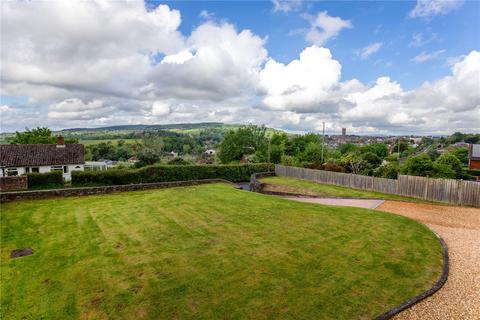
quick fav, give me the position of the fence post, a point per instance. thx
(425, 189)
(459, 198)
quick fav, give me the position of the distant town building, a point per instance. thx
(210, 152)
(416, 141)
(474, 156)
(460, 144)
(344, 131)
(18, 159)
(133, 159)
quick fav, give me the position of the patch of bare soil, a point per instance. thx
(459, 298)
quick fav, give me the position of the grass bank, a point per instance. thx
(208, 252)
(327, 190)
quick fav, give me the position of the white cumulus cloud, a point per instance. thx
(302, 83)
(324, 27)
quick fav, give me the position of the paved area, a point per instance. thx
(459, 298)
(361, 203)
(243, 185)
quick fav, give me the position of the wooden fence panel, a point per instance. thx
(411, 186)
(442, 190)
(385, 185)
(469, 193)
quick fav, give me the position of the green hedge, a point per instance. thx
(47, 180)
(163, 173)
(472, 172)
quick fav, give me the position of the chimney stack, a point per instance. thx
(60, 142)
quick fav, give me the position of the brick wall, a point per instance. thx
(474, 164)
(13, 183)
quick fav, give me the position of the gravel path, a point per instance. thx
(361, 203)
(459, 298)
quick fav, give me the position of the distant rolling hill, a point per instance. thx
(140, 127)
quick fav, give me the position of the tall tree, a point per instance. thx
(39, 135)
(243, 141)
(451, 161)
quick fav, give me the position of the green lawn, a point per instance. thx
(328, 190)
(208, 252)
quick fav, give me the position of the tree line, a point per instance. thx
(256, 144)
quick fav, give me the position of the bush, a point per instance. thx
(441, 170)
(317, 165)
(290, 161)
(179, 162)
(47, 180)
(451, 161)
(420, 165)
(147, 157)
(330, 166)
(165, 173)
(389, 171)
(472, 172)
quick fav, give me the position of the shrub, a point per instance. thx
(147, 157)
(472, 172)
(165, 173)
(329, 166)
(441, 170)
(333, 167)
(451, 161)
(317, 165)
(47, 180)
(389, 171)
(178, 162)
(420, 165)
(290, 161)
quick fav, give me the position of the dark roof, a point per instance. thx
(25, 155)
(474, 153)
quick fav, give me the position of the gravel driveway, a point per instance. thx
(459, 298)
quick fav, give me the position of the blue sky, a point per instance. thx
(374, 67)
(387, 22)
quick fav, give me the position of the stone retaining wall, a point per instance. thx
(13, 183)
(41, 194)
(255, 185)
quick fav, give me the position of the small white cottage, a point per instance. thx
(18, 159)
